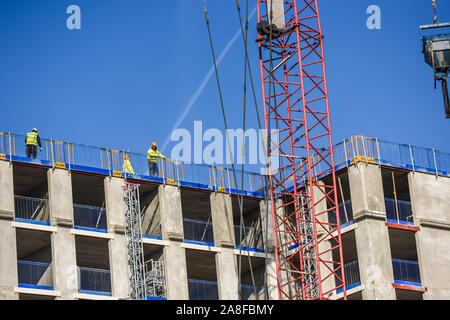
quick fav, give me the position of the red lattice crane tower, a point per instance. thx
(308, 246)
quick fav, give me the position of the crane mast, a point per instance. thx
(308, 245)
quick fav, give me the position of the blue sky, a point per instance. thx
(124, 79)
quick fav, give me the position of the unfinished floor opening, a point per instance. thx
(202, 275)
(89, 208)
(31, 194)
(34, 259)
(93, 265)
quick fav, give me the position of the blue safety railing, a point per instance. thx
(371, 150)
(89, 218)
(37, 275)
(252, 239)
(200, 232)
(248, 292)
(31, 210)
(110, 162)
(398, 211)
(202, 290)
(345, 214)
(94, 281)
(406, 272)
(352, 276)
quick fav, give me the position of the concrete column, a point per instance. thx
(371, 234)
(64, 261)
(269, 248)
(6, 190)
(285, 276)
(430, 202)
(366, 191)
(176, 272)
(227, 275)
(325, 245)
(63, 241)
(60, 197)
(222, 220)
(8, 249)
(172, 230)
(171, 213)
(115, 210)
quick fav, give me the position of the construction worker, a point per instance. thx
(152, 157)
(32, 140)
(127, 168)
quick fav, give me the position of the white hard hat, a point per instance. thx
(34, 129)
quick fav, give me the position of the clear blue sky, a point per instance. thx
(124, 79)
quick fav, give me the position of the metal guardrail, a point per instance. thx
(89, 217)
(352, 276)
(406, 270)
(28, 208)
(35, 273)
(77, 156)
(251, 237)
(398, 210)
(198, 230)
(95, 280)
(355, 149)
(202, 290)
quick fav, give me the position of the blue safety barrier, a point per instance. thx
(202, 290)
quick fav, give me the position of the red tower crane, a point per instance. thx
(308, 246)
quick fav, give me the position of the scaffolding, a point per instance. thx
(135, 250)
(155, 279)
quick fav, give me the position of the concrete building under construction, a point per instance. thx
(62, 226)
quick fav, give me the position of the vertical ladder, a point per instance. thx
(135, 250)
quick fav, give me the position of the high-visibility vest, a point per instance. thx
(32, 138)
(152, 155)
(127, 168)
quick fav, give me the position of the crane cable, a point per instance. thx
(265, 184)
(225, 122)
(241, 209)
(435, 11)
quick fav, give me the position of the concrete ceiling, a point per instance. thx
(33, 245)
(201, 265)
(30, 181)
(401, 184)
(250, 210)
(92, 252)
(195, 205)
(88, 190)
(403, 244)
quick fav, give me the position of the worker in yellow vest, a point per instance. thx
(127, 168)
(32, 140)
(152, 157)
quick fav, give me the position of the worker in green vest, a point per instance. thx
(127, 168)
(32, 140)
(152, 157)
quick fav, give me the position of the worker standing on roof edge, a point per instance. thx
(127, 168)
(32, 140)
(152, 157)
